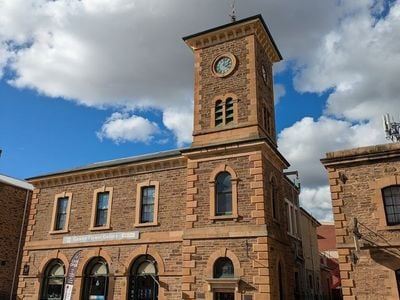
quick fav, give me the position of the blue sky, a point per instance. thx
(86, 81)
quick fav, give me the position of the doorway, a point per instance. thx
(224, 296)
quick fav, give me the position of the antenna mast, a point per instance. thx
(233, 12)
(392, 128)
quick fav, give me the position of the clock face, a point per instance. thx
(264, 73)
(223, 65)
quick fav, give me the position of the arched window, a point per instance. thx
(223, 268)
(219, 113)
(391, 200)
(96, 279)
(53, 281)
(143, 279)
(223, 194)
(228, 111)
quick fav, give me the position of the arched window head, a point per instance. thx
(143, 281)
(391, 200)
(223, 194)
(53, 281)
(228, 111)
(144, 265)
(219, 113)
(96, 279)
(223, 268)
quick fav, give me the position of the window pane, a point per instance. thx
(61, 215)
(102, 200)
(62, 204)
(60, 222)
(223, 195)
(147, 204)
(101, 218)
(223, 268)
(224, 182)
(391, 200)
(98, 286)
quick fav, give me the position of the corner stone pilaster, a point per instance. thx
(188, 264)
(257, 186)
(261, 264)
(26, 259)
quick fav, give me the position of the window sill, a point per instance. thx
(100, 228)
(145, 224)
(224, 217)
(59, 231)
(388, 227)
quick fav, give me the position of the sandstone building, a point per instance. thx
(312, 268)
(330, 273)
(205, 222)
(14, 196)
(365, 189)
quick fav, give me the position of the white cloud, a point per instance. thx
(318, 201)
(357, 63)
(360, 60)
(124, 128)
(304, 143)
(128, 54)
(180, 123)
(279, 92)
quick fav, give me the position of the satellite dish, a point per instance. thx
(392, 128)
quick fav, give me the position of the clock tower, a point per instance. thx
(233, 90)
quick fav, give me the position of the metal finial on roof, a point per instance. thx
(233, 13)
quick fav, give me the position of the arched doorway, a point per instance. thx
(96, 280)
(53, 281)
(223, 268)
(143, 279)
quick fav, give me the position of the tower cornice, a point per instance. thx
(252, 25)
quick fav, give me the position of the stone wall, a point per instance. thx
(11, 215)
(357, 177)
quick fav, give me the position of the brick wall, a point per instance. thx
(356, 178)
(171, 202)
(12, 201)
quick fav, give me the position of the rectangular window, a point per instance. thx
(289, 219)
(61, 214)
(147, 204)
(293, 218)
(146, 211)
(102, 209)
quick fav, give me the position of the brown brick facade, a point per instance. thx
(13, 199)
(357, 177)
(188, 237)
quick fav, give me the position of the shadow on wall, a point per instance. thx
(390, 258)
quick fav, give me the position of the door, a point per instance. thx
(224, 296)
